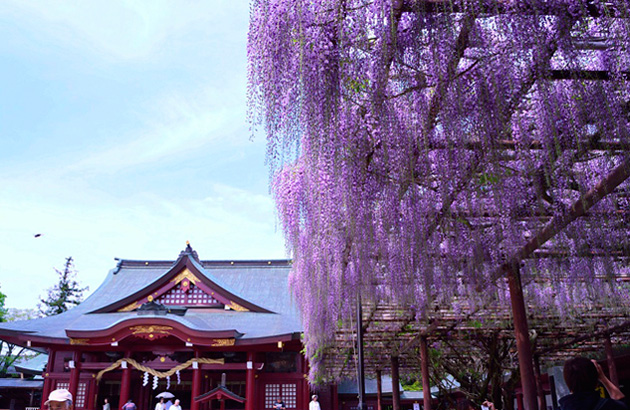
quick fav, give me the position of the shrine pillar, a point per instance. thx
(75, 366)
(196, 383)
(306, 390)
(47, 381)
(542, 400)
(250, 381)
(125, 382)
(91, 391)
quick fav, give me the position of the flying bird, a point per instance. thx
(37, 235)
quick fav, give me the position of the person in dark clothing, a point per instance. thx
(130, 405)
(279, 404)
(581, 376)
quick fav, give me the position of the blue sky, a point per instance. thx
(123, 134)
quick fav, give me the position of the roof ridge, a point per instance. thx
(206, 263)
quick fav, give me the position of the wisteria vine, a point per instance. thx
(416, 145)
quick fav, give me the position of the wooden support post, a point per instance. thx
(335, 398)
(519, 401)
(521, 332)
(424, 365)
(542, 402)
(125, 384)
(379, 391)
(250, 382)
(196, 384)
(395, 384)
(361, 368)
(610, 358)
(74, 375)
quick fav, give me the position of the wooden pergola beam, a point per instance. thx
(493, 7)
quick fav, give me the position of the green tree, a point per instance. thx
(3, 309)
(65, 294)
(9, 352)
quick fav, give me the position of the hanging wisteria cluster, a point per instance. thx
(417, 146)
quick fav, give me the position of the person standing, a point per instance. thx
(176, 405)
(279, 404)
(160, 405)
(581, 376)
(314, 404)
(60, 399)
(106, 405)
(130, 405)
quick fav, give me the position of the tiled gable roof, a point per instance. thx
(263, 284)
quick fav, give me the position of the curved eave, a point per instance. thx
(152, 328)
(219, 393)
(185, 262)
(287, 337)
(32, 341)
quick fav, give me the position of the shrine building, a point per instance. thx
(215, 334)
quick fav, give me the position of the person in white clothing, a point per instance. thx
(314, 404)
(176, 405)
(160, 405)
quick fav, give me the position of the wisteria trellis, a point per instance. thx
(418, 145)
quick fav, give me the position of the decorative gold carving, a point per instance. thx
(129, 307)
(237, 307)
(185, 274)
(223, 342)
(78, 341)
(150, 298)
(150, 329)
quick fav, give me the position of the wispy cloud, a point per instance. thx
(123, 30)
(177, 166)
(175, 126)
(229, 223)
